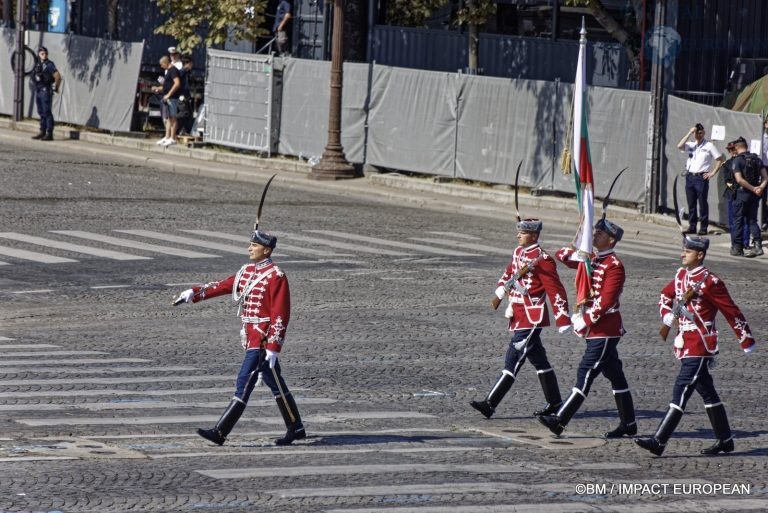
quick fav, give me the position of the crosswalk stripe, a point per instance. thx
(342, 245)
(66, 246)
(682, 506)
(287, 247)
(72, 361)
(115, 241)
(191, 419)
(48, 354)
(299, 450)
(473, 245)
(456, 235)
(92, 370)
(26, 346)
(23, 254)
(151, 404)
(419, 489)
(4, 263)
(6, 338)
(227, 248)
(38, 291)
(115, 393)
(328, 470)
(113, 381)
(397, 244)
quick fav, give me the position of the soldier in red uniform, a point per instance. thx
(692, 299)
(529, 277)
(260, 291)
(600, 324)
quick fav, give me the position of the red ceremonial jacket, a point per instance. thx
(601, 312)
(540, 280)
(699, 336)
(263, 299)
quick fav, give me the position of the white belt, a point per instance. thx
(689, 326)
(254, 320)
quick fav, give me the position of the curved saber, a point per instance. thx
(517, 176)
(261, 203)
(610, 190)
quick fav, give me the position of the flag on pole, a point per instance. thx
(585, 188)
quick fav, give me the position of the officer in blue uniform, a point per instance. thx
(47, 79)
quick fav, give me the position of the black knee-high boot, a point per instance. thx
(497, 393)
(658, 442)
(551, 390)
(218, 434)
(626, 407)
(719, 420)
(292, 419)
(556, 423)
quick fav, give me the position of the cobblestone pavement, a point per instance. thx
(103, 383)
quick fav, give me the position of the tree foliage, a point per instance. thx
(195, 22)
(411, 13)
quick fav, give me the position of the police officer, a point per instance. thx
(529, 277)
(692, 300)
(260, 290)
(751, 179)
(601, 325)
(47, 79)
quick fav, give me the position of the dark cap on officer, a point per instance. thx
(612, 229)
(696, 243)
(42, 49)
(699, 126)
(530, 225)
(741, 142)
(265, 239)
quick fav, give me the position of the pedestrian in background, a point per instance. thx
(601, 325)
(46, 80)
(692, 300)
(171, 89)
(702, 155)
(529, 278)
(260, 291)
(750, 178)
(764, 198)
(281, 27)
(738, 241)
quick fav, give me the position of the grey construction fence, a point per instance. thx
(99, 78)
(479, 128)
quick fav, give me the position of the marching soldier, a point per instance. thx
(529, 277)
(600, 324)
(692, 299)
(260, 291)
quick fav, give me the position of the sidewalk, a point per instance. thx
(413, 190)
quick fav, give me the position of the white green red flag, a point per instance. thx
(585, 188)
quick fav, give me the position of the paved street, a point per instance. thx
(103, 382)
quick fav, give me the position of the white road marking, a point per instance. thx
(471, 245)
(113, 381)
(227, 248)
(25, 346)
(342, 245)
(66, 246)
(38, 291)
(97, 287)
(397, 244)
(148, 404)
(73, 361)
(33, 256)
(92, 370)
(288, 247)
(115, 241)
(48, 354)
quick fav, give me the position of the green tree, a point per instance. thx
(195, 22)
(411, 13)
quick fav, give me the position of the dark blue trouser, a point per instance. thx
(44, 101)
(694, 375)
(601, 356)
(732, 224)
(696, 191)
(246, 378)
(533, 351)
(745, 212)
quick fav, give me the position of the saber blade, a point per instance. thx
(261, 203)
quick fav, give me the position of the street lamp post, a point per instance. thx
(334, 165)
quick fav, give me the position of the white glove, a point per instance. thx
(184, 297)
(564, 329)
(750, 348)
(500, 292)
(271, 358)
(679, 341)
(578, 322)
(243, 338)
(669, 319)
(519, 346)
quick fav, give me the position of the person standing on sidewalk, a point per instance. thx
(751, 178)
(281, 28)
(47, 79)
(527, 280)
(260, 291)
(702, 155)
(692, 299)
(601, 325)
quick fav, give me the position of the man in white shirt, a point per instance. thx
(702, 154)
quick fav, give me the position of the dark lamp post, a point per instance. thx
(334, 165)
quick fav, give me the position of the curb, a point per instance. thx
(249, 168)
